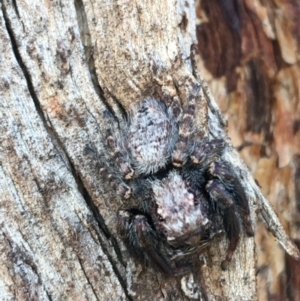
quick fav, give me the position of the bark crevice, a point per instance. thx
(106, 97)
(21, 64)
(14, 2)
(103, 228)
(64, 154)
(87, 278)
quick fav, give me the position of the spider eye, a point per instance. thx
(196, 202)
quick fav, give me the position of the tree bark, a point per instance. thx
(249, 54)
(62, 65)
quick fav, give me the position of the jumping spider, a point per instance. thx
(182, 187)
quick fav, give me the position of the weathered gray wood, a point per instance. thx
(51, 246)
(60, 64)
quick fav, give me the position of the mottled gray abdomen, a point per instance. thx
(151, 136)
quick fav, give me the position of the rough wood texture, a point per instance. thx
(62, 64)
(250, 54)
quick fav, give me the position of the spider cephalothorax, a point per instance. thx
(181, 197)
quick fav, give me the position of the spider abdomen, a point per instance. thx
(151, 136)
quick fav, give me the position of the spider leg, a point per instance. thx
(232, 229)
(142, 239)
(113, 144)
(117, 184)
(207, 151)
(186, 125)
(174, 105)
(193, 122)
(176, 108)
(224, 203)
(224, 173)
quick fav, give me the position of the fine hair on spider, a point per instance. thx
(186, 192)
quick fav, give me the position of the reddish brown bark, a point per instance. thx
(251, 51)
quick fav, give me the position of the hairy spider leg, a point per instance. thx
(224, 203)
(174, 104)
(232, 229)
(186, 124)
(223, 171)
(207, 151)
(113, 145)
(117, 184)
(142, 240)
